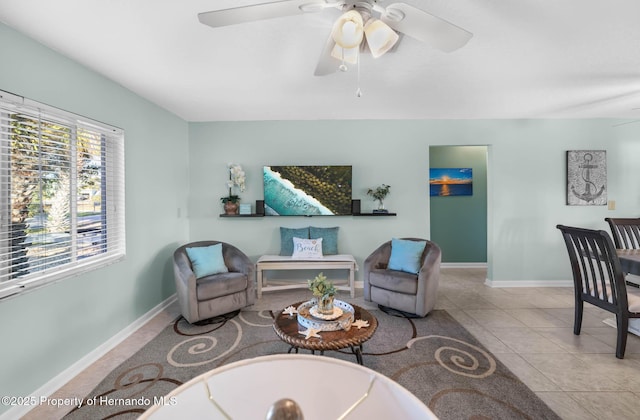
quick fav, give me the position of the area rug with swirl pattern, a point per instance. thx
(434, 357)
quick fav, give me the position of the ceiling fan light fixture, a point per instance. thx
(347, 55)
(348, 30)
(380, 37)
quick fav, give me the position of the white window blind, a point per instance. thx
(61, 194)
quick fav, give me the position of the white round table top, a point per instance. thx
(323, 387)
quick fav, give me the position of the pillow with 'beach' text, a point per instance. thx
(307, 248)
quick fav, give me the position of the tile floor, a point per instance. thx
(529, 329)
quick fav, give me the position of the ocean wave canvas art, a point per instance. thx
(307, 190)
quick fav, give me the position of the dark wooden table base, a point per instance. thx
(287, 328)
(356, 350)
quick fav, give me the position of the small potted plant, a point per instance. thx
(237, 179)
(324, 291)
(379, 193)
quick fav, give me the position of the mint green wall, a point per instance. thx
(45, 331)
(376, 151)
(176, 172)
(526, 181)
(459, 224)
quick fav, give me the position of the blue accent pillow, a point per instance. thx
(286, 239)
(329, 238)
(405, 255)
(207, 260)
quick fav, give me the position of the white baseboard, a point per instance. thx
(65, 376)
(510, 283)
(463, 265)
(528, 283)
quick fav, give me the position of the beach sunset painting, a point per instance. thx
(446, 182)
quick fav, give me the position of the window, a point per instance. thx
(61, 194)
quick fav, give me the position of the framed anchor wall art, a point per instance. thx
(586, 177)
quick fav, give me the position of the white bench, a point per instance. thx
(328, 262)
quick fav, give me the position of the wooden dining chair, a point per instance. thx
(625, 231)
(626, 235)
(598, 279)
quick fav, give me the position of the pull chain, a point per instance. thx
(358, 91)
(343, 67)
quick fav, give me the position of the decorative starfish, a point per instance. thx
(311, 332)
(360, 323)
(290, 310)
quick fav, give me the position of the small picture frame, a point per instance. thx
(449, 182)
(586, 177)
(245, 208)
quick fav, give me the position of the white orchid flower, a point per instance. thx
(237, 177)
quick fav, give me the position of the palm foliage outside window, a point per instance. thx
(62, 201)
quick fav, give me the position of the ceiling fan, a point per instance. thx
(628, 122)
(357, 30)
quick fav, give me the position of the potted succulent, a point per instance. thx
(324, 291)
(379, 193)
(237, 179)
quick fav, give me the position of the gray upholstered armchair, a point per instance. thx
(403, 291)
(216, 294)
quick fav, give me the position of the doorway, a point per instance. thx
(459, 222)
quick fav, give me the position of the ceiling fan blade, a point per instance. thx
(625, 123)
(217, 18)
(425, 27)
(326, 63)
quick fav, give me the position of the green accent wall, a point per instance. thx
(459, 223)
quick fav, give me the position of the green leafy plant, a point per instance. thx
(231, 198)
(321, 287)
(380, 192)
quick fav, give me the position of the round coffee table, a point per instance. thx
(287, 328)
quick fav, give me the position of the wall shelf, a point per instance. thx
(354, 215)
(375, 214)
(355, 209)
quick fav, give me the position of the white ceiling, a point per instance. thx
(527, 59)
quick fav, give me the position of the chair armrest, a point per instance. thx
(185, 280)
(428, 279)
(182, 269)
(236, 260)
(378, 259)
